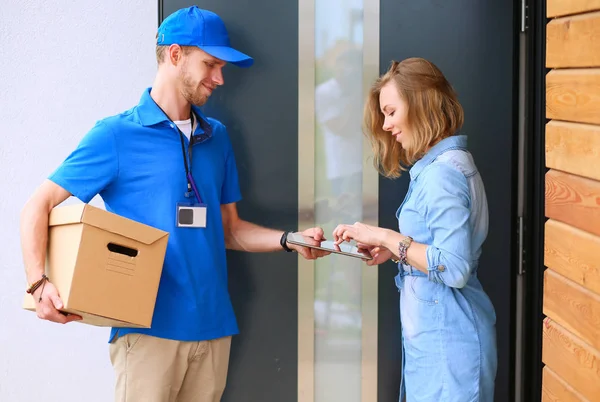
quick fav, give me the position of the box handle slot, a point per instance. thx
(117, 248)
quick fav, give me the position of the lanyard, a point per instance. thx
(191, 184)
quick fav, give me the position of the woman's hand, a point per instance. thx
(359, 232)
(379, 254)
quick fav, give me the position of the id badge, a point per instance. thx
(191, 215)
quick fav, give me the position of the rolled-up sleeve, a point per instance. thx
(446, 200)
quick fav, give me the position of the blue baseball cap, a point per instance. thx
(193, 26)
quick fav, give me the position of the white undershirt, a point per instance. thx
(185, 126)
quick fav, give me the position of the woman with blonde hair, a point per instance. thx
(413, 118)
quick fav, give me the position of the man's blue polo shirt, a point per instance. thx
(134, 161)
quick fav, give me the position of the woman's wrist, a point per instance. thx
(390, 239)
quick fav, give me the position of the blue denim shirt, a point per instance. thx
(448, 321)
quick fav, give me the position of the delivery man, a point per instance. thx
(165, 164)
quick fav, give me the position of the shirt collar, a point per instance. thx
(452, 142)
(150, 114)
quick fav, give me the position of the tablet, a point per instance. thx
(345, 248)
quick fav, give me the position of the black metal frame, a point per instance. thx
(535, 206)
(160, 12)
(514, 248)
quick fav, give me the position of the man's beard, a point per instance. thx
(191, 92)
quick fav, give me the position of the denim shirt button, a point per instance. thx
(441, 268)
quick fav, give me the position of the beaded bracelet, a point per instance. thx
(402, 248)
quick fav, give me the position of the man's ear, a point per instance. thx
(175, 53)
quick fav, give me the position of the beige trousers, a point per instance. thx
(150, 369)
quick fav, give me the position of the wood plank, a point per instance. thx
(573, 95)
(573, 253)
(556, 8)
(573, 148)
(571, 359)
(555, 389)
(573, 41)
(573, 307)
(574, 200)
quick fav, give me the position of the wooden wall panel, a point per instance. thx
(571, 359)
(574, 200)
(573, 253)
(573, 148)
(573, 95)
(571, 334)
(573, 307)
(556, 8)
(555, 389)
(573, 41)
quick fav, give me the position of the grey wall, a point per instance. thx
(471, 41)
(63, 65)
(259, 106)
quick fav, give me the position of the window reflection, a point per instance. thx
(338, 196)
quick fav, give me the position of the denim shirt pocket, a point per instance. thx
(423, 290)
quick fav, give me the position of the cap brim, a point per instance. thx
(229, 55)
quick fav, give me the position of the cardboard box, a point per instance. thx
(106, 268)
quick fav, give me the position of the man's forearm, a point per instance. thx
(246, 236)
(34, 239)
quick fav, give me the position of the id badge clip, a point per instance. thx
(190, 214)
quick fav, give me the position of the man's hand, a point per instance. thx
(47, 309)
(312, 236)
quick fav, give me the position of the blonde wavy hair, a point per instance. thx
(434, 113)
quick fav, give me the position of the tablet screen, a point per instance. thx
(346, 248)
